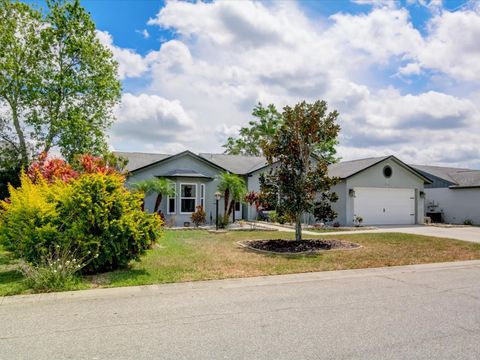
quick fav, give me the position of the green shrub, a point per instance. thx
(275, 216)
(468, 222)
(56, 272)
(93, 213)
(29, 218)
(223, 221)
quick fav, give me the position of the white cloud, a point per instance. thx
(378, 3)
(151, 120)
(452, 45)
(144, 33)
(382, 33)
(410, 69)
(130, 64)
(227, 56)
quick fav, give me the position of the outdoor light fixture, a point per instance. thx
(218, 195)
(351, 192)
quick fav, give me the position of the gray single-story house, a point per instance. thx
(453, 196)
(382, 190)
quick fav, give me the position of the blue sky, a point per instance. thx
(404, 75)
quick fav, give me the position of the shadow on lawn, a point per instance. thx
(7, 277)
(126, 274)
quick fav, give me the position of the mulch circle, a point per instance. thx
(298, 246)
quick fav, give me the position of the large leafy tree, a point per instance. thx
(58, 83)
(297, 175)
(262, 130)
(20, 41)
(234, 190)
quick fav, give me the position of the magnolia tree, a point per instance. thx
(298, 176)
(268, 120)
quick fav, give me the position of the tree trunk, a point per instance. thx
(298, 227)
(158, 201)
(226, 198)
(21, 137)
(230, 209)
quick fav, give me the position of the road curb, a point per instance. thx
(207, 285)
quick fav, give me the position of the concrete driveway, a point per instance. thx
(466, 233)
(410, 312)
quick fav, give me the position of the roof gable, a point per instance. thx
(138, 160)
(346, 169)
(177, 156)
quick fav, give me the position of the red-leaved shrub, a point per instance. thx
(53, 168)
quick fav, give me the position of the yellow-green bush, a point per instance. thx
(93, 213)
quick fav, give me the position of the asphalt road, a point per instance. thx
(414, 312)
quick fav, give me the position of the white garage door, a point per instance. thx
(380, 206)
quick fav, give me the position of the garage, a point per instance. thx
(385, 206)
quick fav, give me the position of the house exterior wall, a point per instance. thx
(457, 205)
(340, 206)
(373, 177)
(185, 162)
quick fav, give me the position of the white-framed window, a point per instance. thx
(188, 198)
(172, 201)
(202, 195)
(237, 206)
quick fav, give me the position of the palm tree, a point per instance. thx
(234, 190)
(159, 186)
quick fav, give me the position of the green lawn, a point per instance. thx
(199, 255)
(10, 279)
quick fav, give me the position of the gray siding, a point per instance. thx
(341, 205)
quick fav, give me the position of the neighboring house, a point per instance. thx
(381, 190)
(454, 194)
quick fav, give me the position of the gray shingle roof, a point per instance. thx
(459, 177)
(438, 171)
(242, 165)
(183, 173)
(237, 164)
(137, 160)
(467, 178)
(345, 169)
